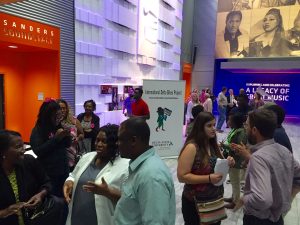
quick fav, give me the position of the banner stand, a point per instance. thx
(165, 99)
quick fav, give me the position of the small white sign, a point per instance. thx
(40, 96)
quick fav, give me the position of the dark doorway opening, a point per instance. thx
(1, 102)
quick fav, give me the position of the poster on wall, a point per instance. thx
(165, 99)
(257, 28)
(105, 89)
(114, 105)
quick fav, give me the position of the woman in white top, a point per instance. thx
(194, 101)
(84, 186)
(207, 103)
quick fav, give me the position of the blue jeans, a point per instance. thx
(222, 116)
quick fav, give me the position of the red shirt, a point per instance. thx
(140, 108)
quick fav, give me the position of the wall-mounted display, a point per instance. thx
(258, 28)
(105, 89)
(127, 89)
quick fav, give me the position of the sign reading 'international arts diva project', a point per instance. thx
(165, 99)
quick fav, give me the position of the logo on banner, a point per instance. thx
(162, 116)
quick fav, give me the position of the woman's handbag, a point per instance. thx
(211, 211)
(49, 212)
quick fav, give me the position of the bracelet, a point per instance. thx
(209, 178)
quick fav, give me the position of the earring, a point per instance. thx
(4, 157)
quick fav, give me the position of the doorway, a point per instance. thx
(1, 102)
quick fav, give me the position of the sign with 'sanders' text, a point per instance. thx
(18, 30)
(165, 99)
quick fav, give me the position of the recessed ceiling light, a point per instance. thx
(12, 46)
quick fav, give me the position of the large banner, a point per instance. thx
(282, 88)
(165, 99)
(258, 28)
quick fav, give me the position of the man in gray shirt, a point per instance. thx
(222, 105)
(270, 172)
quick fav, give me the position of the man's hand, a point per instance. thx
(103, 189)
(231, 161)
(238, 205)
(99, 189)
(241, 150)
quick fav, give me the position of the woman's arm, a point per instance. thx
(36, 199)
(12, 209)
(209, 106)
(42, 147)
(189, 111)
(80, 133)
(97, 123)
(39, 146)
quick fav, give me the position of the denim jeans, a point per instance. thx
(222, 116)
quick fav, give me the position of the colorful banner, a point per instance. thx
(165, 99)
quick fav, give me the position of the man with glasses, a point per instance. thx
(270, 172)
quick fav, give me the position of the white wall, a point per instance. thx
(205, 13)
(125, 41)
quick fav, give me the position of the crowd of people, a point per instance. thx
(119, 178)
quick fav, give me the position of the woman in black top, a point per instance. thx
(23, 182)
(50, 142)
(90, 123)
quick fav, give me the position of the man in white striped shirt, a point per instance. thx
(222, 105)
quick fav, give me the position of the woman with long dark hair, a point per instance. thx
(257, 101)
(83, 188)
(49, 141)
(196, 164)
(70, 122)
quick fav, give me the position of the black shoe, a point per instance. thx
(242, 189)
(229, 205)
(228, 199)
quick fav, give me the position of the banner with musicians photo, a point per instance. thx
(165, 99)
(258, 28)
